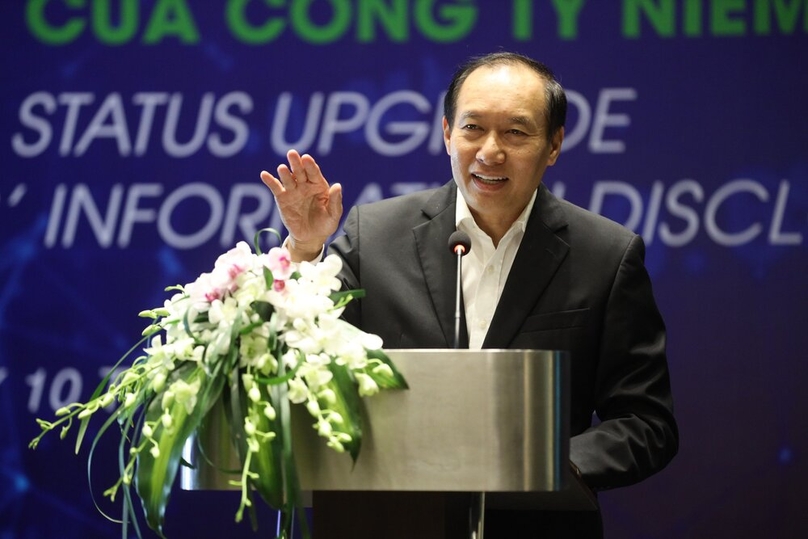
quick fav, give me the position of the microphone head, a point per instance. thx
(459, 243)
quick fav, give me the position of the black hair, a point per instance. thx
(556, 113)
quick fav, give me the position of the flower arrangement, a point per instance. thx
(256, 334)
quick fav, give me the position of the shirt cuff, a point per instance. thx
(319, 257)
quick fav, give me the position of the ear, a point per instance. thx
(447, 134)
(555, 146)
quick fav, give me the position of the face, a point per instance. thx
(498, 144)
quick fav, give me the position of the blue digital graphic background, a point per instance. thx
(722, 111)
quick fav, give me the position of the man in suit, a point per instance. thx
(542, 273)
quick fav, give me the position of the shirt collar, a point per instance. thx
(465, 221)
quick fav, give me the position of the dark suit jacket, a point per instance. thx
(578, 283)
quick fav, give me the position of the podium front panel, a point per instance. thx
(472, 421)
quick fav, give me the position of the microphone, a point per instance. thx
(460, 245)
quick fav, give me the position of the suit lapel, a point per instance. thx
(437, 263)
(540, 254)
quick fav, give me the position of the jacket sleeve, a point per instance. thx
(637, 433)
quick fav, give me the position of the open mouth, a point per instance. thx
(488, 180)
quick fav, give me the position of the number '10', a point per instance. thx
(64, 389)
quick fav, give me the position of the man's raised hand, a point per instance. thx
(310, 209)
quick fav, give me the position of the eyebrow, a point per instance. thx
(522, 120)
(518, 120)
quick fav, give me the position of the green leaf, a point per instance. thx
(343, 297)
(278, 380)
(264, 309)
(257, 238)
(121, 444)
(348, 405)
(155, 476)
(291, 482)
(384, 380)
(267, 462)
(100, 389)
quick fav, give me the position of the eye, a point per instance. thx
(470, 127)
(515, 132)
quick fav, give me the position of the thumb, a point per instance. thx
(335, 201)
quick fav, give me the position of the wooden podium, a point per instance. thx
(476, 430)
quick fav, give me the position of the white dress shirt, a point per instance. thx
(486, 268)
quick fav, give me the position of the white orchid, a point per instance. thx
(257, 327)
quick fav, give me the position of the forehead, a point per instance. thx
(509, 89)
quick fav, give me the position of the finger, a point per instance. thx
(335, 201)
(295, 165)
(272, 182)
(287, 177)
(292, 155)
(312, 170)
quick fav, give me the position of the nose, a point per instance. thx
(491, 151)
